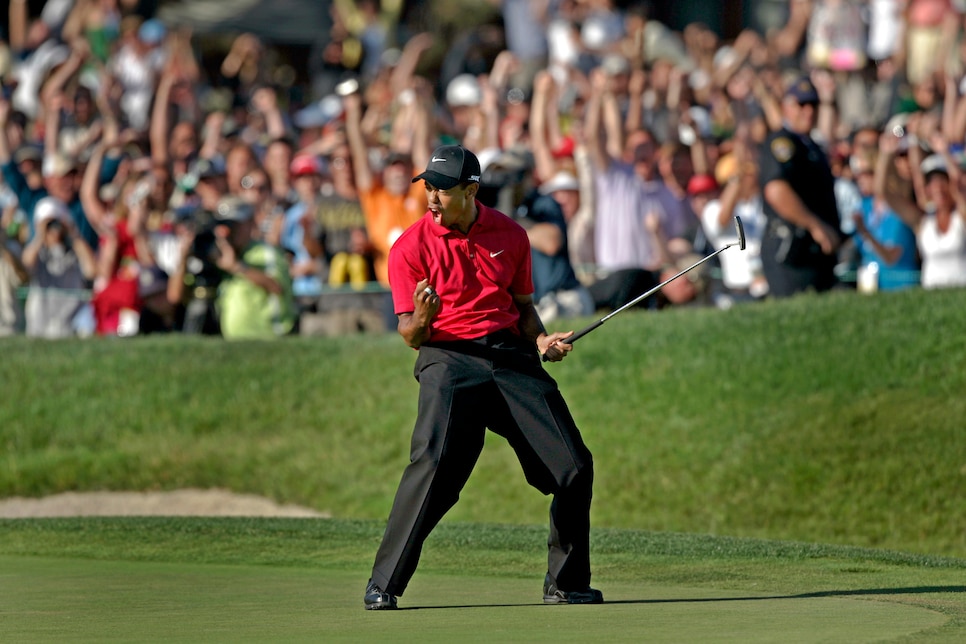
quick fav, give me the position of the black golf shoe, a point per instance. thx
(378, 599)
(553, 595)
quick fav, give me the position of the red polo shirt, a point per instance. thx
(475, 275)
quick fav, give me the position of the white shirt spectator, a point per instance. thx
(943, 254)
(137, 73)
(885, 28)
(738, 270)
(31, 73)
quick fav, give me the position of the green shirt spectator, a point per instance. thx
(255, 298)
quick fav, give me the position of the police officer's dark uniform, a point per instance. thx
(791, 259)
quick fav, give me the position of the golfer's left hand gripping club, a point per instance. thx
(739, 228)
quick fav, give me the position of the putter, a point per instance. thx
(739, 228)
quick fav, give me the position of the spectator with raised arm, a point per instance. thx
(390, 200)
(888, 257)
(941, 227)
(255, 299)
(564, 170)
(345, 240)
(124, 256)
(137, 66)
(301, 233)
(13, 275)
(740, 196)
(61, 265)
(58, 175)
(629, 192)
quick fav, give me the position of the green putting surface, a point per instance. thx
(47, 600)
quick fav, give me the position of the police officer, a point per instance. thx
(798, 250)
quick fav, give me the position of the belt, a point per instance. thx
(497, 337)
(489, 346)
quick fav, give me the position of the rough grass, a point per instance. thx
(833, 419)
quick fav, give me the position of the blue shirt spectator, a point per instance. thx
(882, 231)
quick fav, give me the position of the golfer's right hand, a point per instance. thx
(426, 302)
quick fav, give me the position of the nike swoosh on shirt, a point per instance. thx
(435, 159)
(494, 254)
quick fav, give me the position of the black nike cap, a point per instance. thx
(449, 166)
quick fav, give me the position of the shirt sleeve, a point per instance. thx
(15, 180)
(404, 273)
(777, 158)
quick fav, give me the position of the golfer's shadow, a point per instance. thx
(913, 590)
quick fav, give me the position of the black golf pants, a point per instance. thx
(496, 382)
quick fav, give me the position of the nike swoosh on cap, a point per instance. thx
(436, 159)
(494, 254)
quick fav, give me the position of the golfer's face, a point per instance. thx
(447, 205)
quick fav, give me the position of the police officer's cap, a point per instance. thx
(803, 91)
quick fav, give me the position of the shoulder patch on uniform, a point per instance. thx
(782, 148)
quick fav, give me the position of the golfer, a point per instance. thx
(462, 289)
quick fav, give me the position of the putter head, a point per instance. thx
(740, 228)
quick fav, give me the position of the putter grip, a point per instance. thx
(579, 334)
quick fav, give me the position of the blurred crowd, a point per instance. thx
(145, 192)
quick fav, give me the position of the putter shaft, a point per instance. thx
(739, 228)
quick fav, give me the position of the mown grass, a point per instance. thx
(833, 419)
(237, 579)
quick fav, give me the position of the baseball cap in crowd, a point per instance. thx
(932, 164)
(57, 165)
(206, 169)
(600, 30)
(234, 209)
(565, 148)
(464, 91)
(28, 153)
(563, 180)
(50, 208)
(397, 157)
(519, 95)
(198, 170)
(701, 129)
(320, 113)
(803, 91)
(701, 183)
(152, 31)
(152, 280)
(449, 166)
(614, 64)
(390, 57)
(304, 165)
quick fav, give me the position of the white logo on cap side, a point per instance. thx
(436, 159)
(474, 177)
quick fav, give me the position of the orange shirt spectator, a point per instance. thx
(388, 213)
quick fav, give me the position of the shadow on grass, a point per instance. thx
(914, 590)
